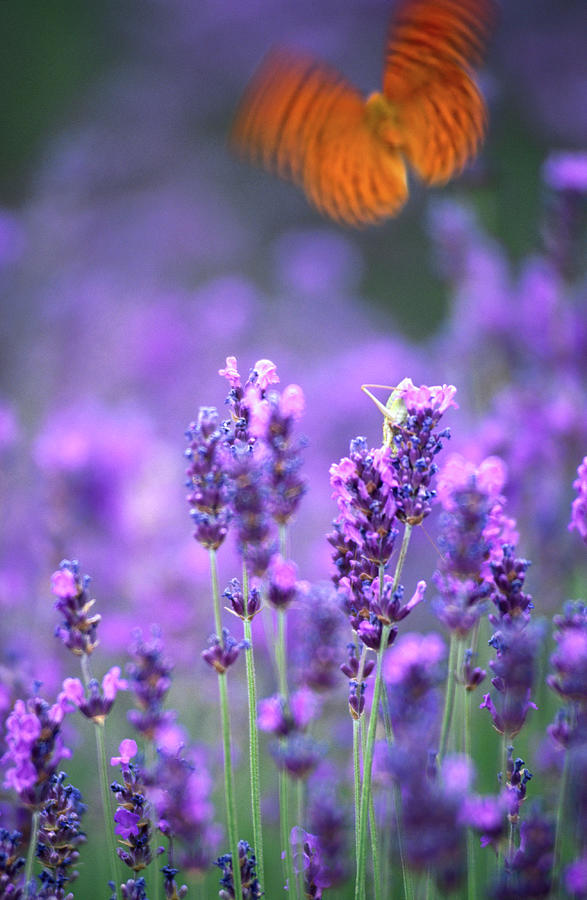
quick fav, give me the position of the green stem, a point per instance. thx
(32, 850)
(397, 802)
(560, 815)
(373, 832)
(149, 750)
(229, 785)
(280, 654)
(368, 757)
(254, 750)
(449, 698)
(471, 856)
(285, 833)
(105, 791)
(215, 593)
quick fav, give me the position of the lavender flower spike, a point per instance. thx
(579, 505)
(222, 653)
(78, 631)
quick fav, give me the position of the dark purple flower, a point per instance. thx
(234, 595)
(149, 678)
(298, 753)
(207, 479)
(529, 872)
(11, 865)
(221, 654)
(579, 505)
(59, 836)
(250, 501)
(78, 631)
(329, 818)
(487, 816)
(508, 575)
(251, 889)
(172, 892)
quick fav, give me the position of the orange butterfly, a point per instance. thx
(304, 121)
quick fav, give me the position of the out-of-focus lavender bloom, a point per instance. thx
(514, 672)
(234, 595)
(78, 631)
(283, 585)
(298, 754)
(98, 703)
(207, 479)
(529, 872)
(11, 865)
(308, 861)
(570, 657)
(149, 678)
(576, 878)
(414, 671)
(279, 718)
(468, 539)
(222, 653)
(329, 820)
(566, 171)
(251, 889)
(255, 532)
(34, 748)
(318, 637)
(179, 788)
(133, 814)
(472, 675)
(579, 505)
(487, 816)
(59, 837)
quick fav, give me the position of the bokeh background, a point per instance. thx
(136, 253)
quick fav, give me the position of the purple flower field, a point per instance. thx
(248, 612)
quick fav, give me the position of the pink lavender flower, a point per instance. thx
(579, 505)
(98, 703)
(78, 631)
(34, 748)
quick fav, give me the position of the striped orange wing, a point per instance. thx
(440, 114)
(303, 121)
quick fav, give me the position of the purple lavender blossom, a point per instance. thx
(78, 631)
(133, 814)
(319, 640)
(280, 718)
(529, 872)
(34, 748)
(99, 702)
(508, 576)
(251, 889)
(255, 532)
(414, 671)
(59, 837)
(207, 479)
(298, 754)
(576, 878)
(234, 595)
(149, 678)
(579, 505)
(179, 787)
(308, 861)
(357, 679)
(283, 585)
(570, 657)
(414, 445)
(329, 818)
(222, 653)
(514, 673)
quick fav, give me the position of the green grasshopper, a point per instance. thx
(394, 412)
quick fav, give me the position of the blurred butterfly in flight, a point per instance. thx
(302, 120)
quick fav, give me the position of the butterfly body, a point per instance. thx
(302, 120)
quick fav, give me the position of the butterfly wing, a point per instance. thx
(303, 121)
(439, 111)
